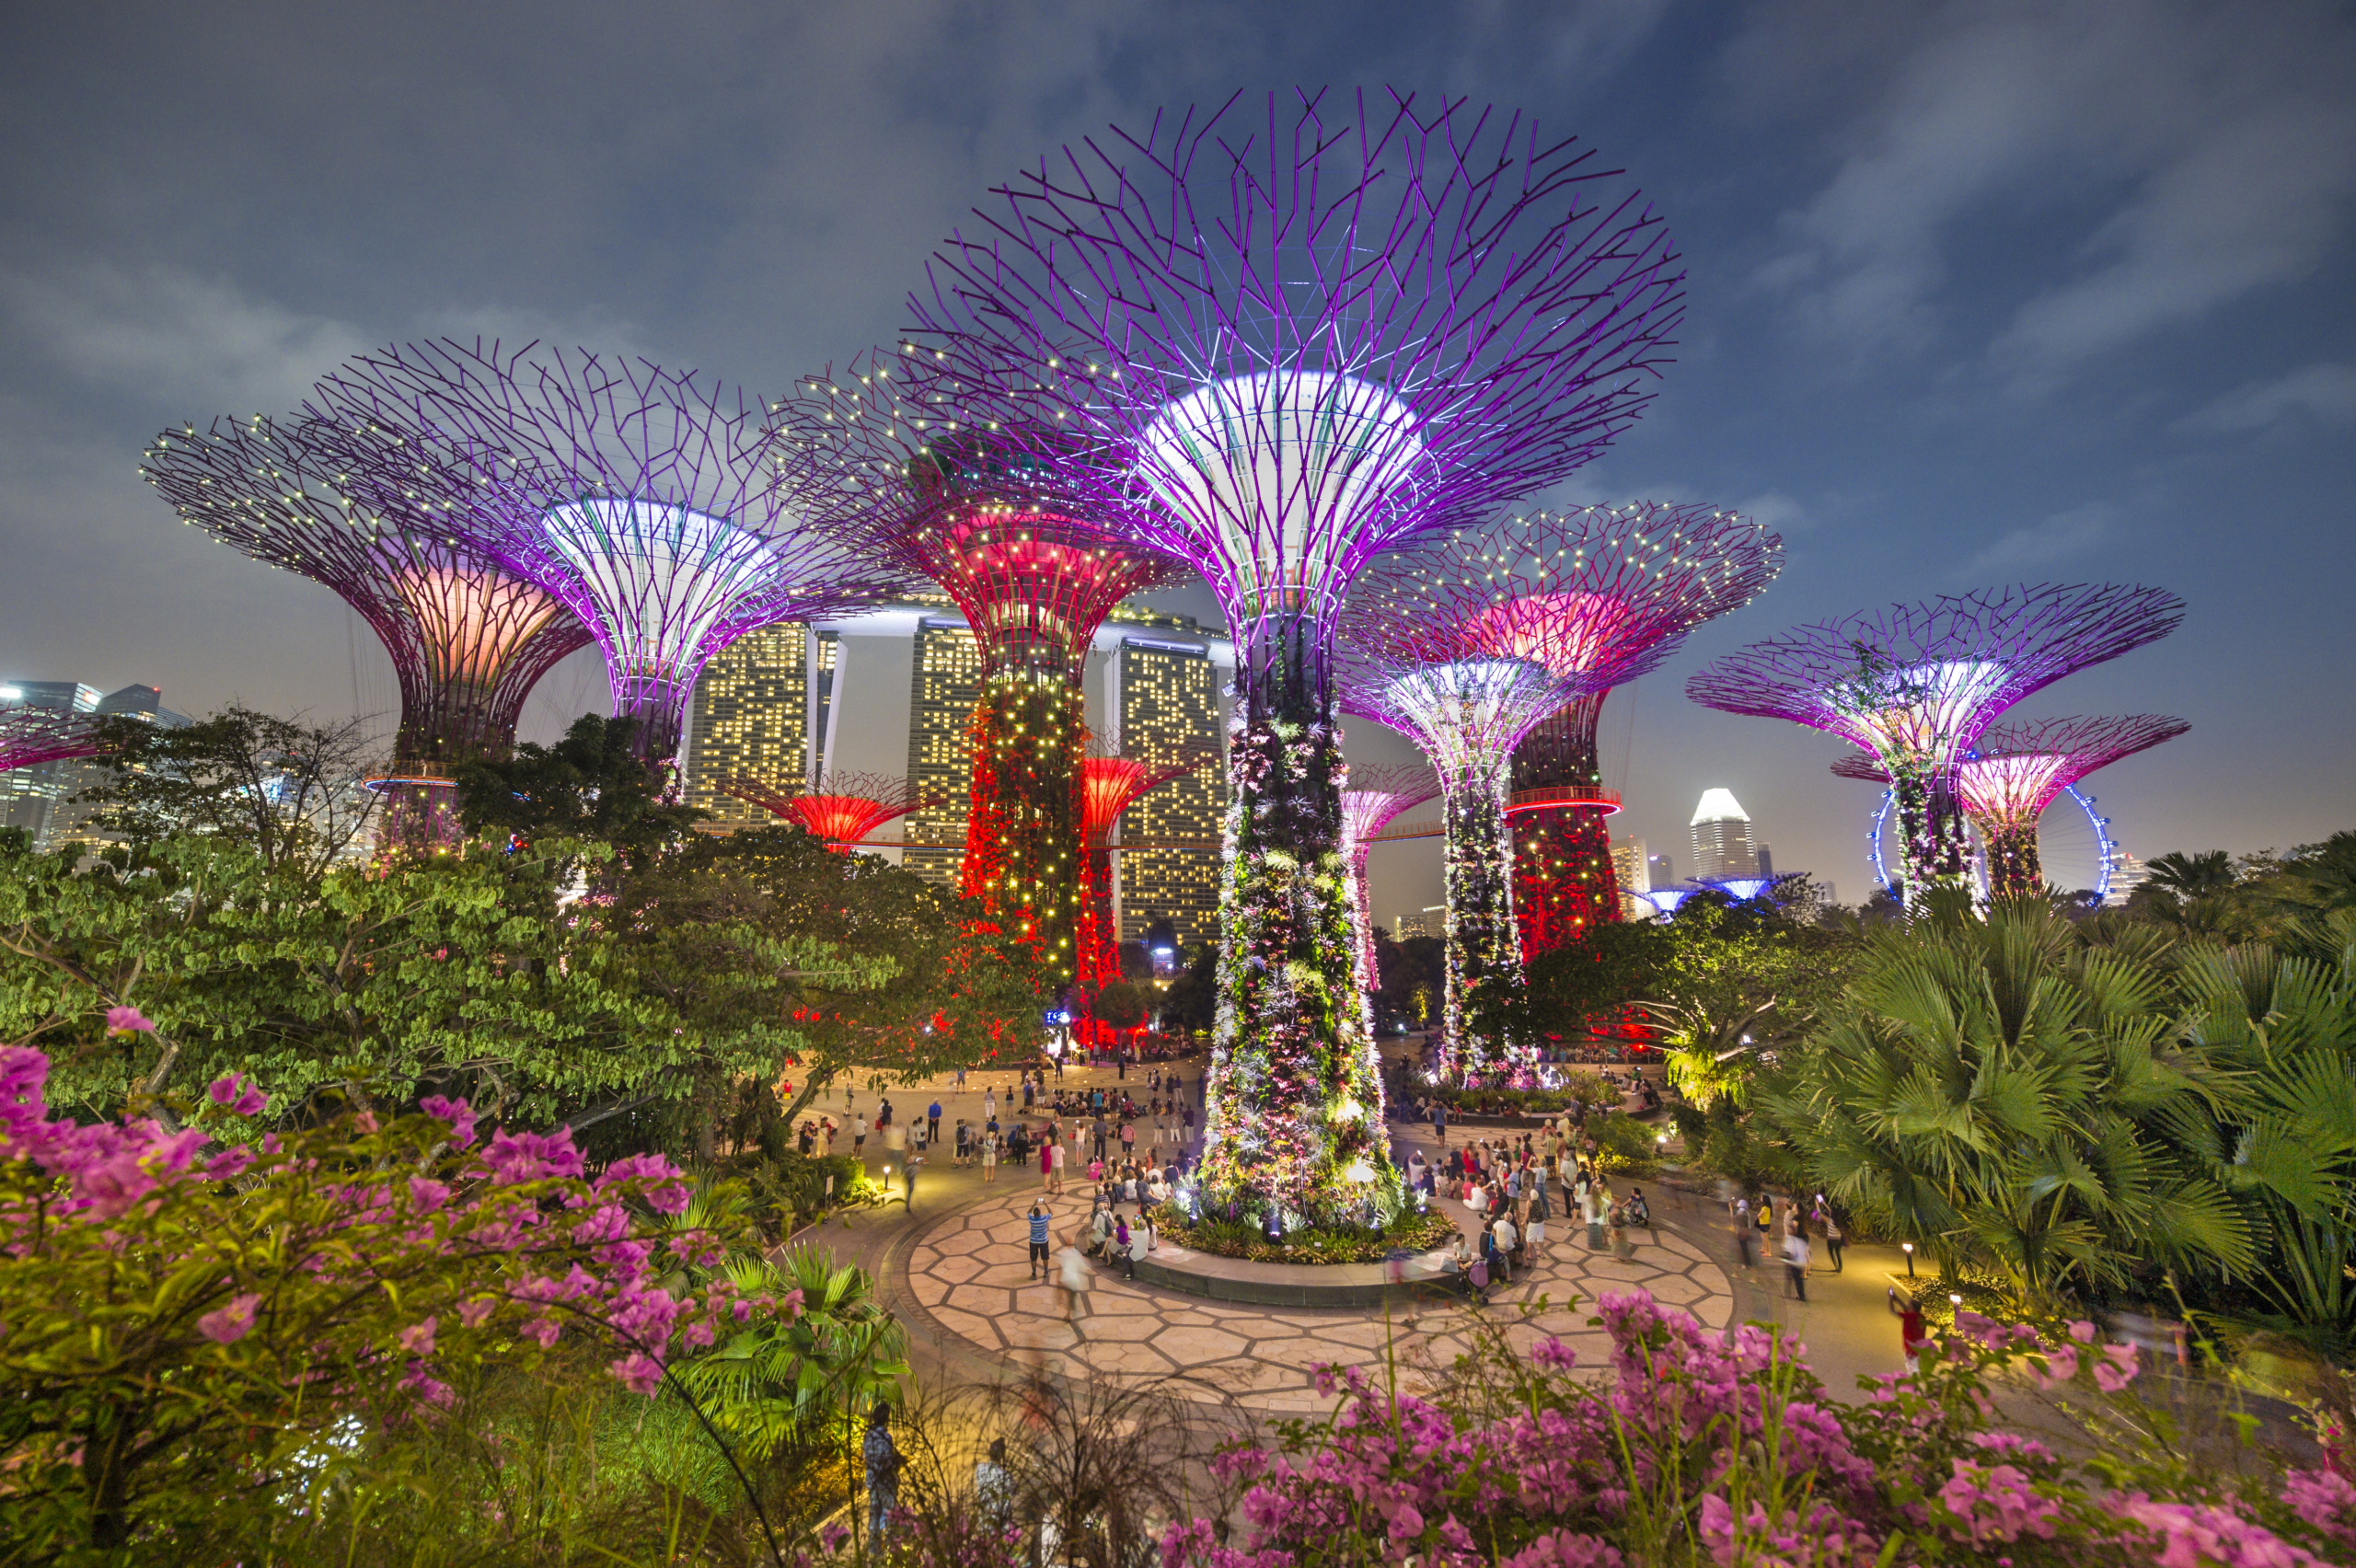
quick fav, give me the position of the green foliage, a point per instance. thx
(1623, 1143)
(1409, 1232)
(590, 786)
(2010, 1097)
(1120, 1005)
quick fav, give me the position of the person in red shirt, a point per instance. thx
(1911, 1333)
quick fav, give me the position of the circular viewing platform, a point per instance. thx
(1595, 795)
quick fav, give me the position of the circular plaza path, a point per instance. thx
(968, 1272)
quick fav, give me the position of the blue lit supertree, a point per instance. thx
(646, 500)
(1300, 334)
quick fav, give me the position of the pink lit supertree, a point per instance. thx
(1109, 786)
(1035, 570)
(467, 636)
(31, 736)
(1917, 686)
(1371, 803)
(2005, 781)
(645, 501)
(1299, 334)
(1648, 573)
(1464, 644)
(842, 809)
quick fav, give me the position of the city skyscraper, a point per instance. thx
(1161, 697)
(69, 820)
(946, 678)
(1722, 838)
(759, 710)
(29, 797)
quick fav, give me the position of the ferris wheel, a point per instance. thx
(2074, 846)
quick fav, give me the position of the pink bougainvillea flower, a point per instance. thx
(418, 1338)
(474, 1314)
(238, 1094)
(128, 1021)
(638, 1372)
(457, 1112)
(232, 1322)
(2116, 1369)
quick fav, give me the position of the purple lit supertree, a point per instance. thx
(1649, 572)
(1303, 338)
(467, 636)
(1917, 684)
(644, 500)
(1464, 644)
(1035, 575)
(31, 736)
(1372, 802)
(2005, 781)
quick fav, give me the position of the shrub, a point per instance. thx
(1241, 1239)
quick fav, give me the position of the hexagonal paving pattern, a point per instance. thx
(969, 1273)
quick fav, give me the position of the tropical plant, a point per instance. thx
(2015, 1100)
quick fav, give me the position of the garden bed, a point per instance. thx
(1240, 1238)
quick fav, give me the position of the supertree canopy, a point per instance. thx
(843, 809)
(1372, 800)
(1035, 568)
(467, 636)
(1464, 644)
(1109, 786)
(1648, 573)
(1304, 334)
(1918, 684)
(2005, 781)
(644, 500)
(31, 736)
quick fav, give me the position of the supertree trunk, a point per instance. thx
(1482, 948)
(1931, 827)
(1295, 1117)
(2015, 869)
(1023, 835)
(1362, 916)
(1563, 882)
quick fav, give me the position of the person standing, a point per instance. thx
(1037, 1223)
(1058, 1148)
(915, 1161)
(1077, 1281)
(858, 1137)
(1046, 1164)
(1911, 1336)
(990, 1103)
(933, 1125)
(1832, 1239)
(883, 1457)
(1743, 1229)
(1796, 1261)
(1439, 1122)
(990, 1157)
(1508, 1239)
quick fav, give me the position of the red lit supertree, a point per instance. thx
(1109, 786)
(31, 736)
(842, 809)
(1918, 684)
(1307, 330)
(1675, 567)
(1034, 569)
(2005, 781)
(1370, 802)
(1466, 642)
(467, 636)
(643, 499)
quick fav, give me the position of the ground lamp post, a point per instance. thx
(643, 499)
(841, 811)
(2005, 781)
(1109, 786)
(1650, 572)
(1372, 802)
(1462, 643)
(467, 636)
(1918, 684)
(1304, 331)
(1034, 569)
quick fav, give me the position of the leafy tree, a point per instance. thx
(2191, 876)
(1191, 1005)
(286, 789)
(1120, 1005)
(2011, 1098)
(589, 785)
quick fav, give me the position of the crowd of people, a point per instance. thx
(1059, 1127)
(1770, 1227)
(1512, 1187)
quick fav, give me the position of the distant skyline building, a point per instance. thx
(1162, 700)
(1722, 847)
(759, 706)
(69, 823)
(944, 680)
(1660, 870)
(29, 797)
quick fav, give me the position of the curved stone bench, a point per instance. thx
(1419, 1278)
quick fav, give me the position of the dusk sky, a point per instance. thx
(1979, 293)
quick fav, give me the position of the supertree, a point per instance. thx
(1109, 786)
(1648, 572)
(1918, 684)
(467, 636)
(2005, 781)
(1035, 573)
(644, 500)
(1303, 338)
(1372, 800)
(1464, 644)
(31, 736)
(843, 809)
